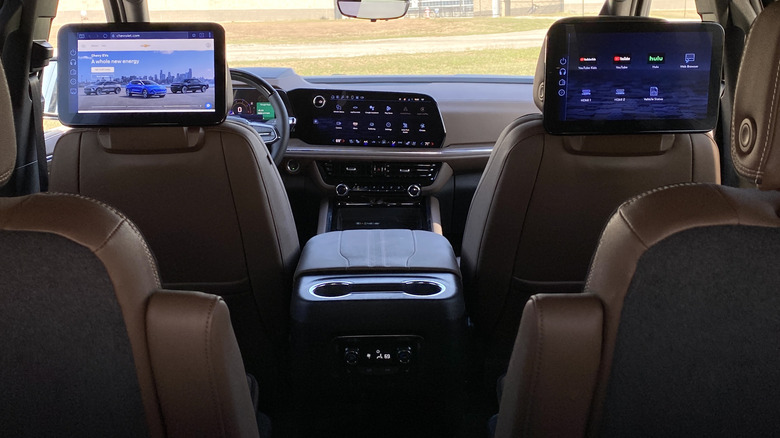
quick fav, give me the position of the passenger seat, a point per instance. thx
(542, 201)
(214, 209)
(91, 345)
(677, 332)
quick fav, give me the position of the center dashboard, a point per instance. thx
(363, 118)
(333, 185)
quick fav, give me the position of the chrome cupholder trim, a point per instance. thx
(440, 286)
(330, 284)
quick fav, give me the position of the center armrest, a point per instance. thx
(361, 251)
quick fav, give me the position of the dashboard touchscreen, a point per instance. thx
(358, 118)
(141, 74)
(634, 76)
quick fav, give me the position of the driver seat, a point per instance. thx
(211, 204)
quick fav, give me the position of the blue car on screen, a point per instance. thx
(145, 88)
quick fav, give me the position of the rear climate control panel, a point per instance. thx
(378, 355)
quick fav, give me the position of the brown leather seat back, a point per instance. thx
(542, 201)
(212, 206)
(676, 333)
(91, 345)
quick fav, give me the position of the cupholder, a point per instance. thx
(332, 289)
(337, 289)
(422, 288)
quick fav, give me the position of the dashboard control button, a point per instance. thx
(414, 190)
(342, 190)
(293, 166)
(318, 101)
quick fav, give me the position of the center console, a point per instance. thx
(375, 194)
(379, 320)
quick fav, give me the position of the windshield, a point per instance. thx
(436, 37)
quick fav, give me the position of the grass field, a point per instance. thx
(325, 31)
(495, 61)
(491, 61)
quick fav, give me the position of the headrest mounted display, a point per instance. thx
(138, 74)
(631, 76)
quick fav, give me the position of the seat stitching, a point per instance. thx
(619, 211)
(209, 367)
(632, 228)
(110, 235)
(133, 228)
(728, 202)
(6, 174)
(414, 250)
(263, 179)
(658, 189)
(515, 124)
(537, 363)
(734, 158)
(769, 121)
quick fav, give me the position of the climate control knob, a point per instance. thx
(404, 355)
(351, 356)
(342, 189)
(414, 190)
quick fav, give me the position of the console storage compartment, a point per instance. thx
(379, 320)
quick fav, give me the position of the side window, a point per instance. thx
(68, 11)
(675, 10)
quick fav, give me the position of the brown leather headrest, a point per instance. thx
(7, 131)
(755, 147)
(153, 139)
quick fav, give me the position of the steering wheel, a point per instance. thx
(276, 132)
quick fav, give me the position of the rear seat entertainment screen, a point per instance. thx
(632, 76)
(141, 74)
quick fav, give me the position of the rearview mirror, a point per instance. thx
(373, 9)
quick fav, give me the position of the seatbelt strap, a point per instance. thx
(36, 124)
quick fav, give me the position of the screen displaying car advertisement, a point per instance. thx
(135, 74)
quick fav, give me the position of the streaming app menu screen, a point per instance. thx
(666, 80)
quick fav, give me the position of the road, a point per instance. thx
(512, 40)
(171, 102)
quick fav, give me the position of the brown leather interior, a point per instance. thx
(8, 139)
(635, 227)
(542, 201)
(639, 224)
(189, 336)
(537, 213)
(555, 328)
(178, 339)
(208, 200)
(757, 107)
(131, 267)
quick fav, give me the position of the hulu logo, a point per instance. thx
(655, 59)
